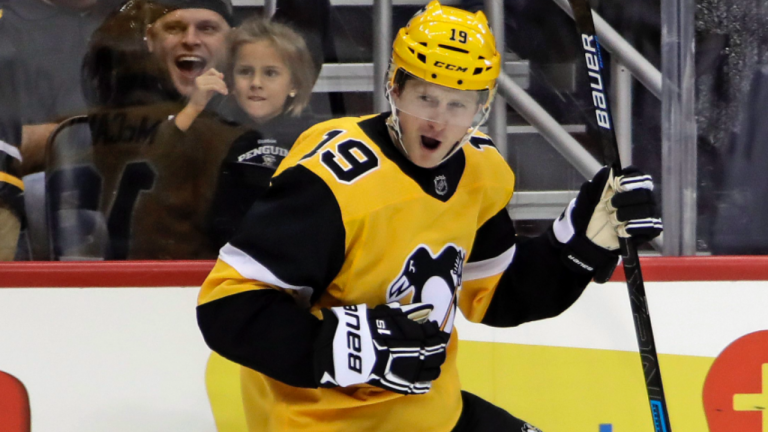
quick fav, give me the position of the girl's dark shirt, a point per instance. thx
(247, 169)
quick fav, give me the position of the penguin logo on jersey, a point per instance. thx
(441, 185)
(530, 428)
(431, 278)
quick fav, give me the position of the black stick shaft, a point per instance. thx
(582, 14)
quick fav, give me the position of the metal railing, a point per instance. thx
(641, 68)
(679, 150)
(358, 77)
(497, 121)
(548, 127)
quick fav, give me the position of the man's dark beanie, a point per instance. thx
(221, 7)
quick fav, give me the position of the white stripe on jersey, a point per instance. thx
(10, 150)
(563, 227)
(489, 267)
(252, 269)
(645, 223)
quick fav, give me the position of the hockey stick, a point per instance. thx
(582, 14)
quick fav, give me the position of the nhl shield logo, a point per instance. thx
(441, 185)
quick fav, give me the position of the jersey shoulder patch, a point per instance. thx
(480, 141)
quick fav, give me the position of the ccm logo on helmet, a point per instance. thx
(450, 67)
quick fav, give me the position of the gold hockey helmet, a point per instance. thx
(447, 46)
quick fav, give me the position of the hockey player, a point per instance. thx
(339, 293)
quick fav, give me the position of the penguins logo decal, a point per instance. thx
(431, 278)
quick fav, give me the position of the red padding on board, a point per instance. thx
(730, 268)
(104, 274)
(192, 273)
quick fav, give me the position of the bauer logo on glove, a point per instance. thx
(607, 208)
(391, 346)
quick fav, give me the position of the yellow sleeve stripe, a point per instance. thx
(251, 269)
(489, 267)
(7, 178)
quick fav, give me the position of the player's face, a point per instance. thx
(262, 80)
(187, 42)
(433, 119)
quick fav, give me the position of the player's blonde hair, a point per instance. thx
(291, 47)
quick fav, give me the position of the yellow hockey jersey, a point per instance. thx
(349, 220)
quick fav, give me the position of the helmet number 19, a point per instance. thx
(462, 36)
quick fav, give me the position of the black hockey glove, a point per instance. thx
(607, 208)
(391, 346)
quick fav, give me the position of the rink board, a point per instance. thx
(108, 347)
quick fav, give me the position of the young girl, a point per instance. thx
(270, 76)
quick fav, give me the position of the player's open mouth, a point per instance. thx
(191, 65)
(430, 143)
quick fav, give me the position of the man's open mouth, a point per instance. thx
(192, 65)
(430, 143)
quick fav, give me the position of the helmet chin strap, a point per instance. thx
(393, 122)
